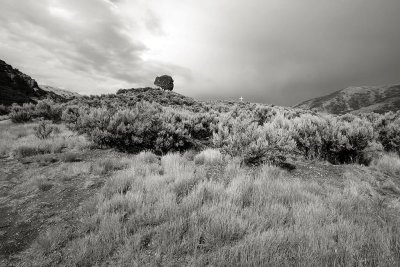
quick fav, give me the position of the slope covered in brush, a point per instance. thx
(379, 99)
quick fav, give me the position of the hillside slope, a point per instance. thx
(61, 92)
(379, 99)
(17, 87)
(128, 97)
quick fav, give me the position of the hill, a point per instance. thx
(379, 99)
(128, 97)
(17, 87)
(61, 92)
(157, 95)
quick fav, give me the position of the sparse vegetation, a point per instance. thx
(70, 157)
(388, 163)
(43, 130)
(22, 114)
(48, 110)
(200, 185)
(106, 166)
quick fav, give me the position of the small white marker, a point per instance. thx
(241, 99)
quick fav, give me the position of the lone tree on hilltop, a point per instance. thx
(165, 82)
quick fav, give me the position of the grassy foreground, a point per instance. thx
(207, 210)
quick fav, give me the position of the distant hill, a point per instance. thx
(61, 92)
(379, 99)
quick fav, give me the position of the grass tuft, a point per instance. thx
(388, 163)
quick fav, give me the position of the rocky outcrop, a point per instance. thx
(17, 87)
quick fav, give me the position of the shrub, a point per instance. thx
(144, 126)
(255, 144)
(48, 110)
(25, 151)
(43, 130)
(43, 184)
(309, 133)
(21, 114)
(70, 116)
(346, 141)
(70, 157)
(46, 159)
(4, 110)
(56, 130)
(389, 136)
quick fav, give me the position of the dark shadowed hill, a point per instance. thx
(17, 87)
(379, 99)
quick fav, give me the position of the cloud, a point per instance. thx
(87, 40)
(153, 23)
(273, 51)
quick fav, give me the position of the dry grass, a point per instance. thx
(71, 157)
(388, 163)
(206, 210)
(30, 145)
(20, 141)
(208, 156)
(10, 134)
(42, 183)
(182, 217)
(108, 165)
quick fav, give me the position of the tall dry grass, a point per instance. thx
(171, 213)
(20, 141)
(388, 163)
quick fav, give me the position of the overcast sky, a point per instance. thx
(272, 51)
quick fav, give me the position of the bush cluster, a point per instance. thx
(270, 135)
(147, 119)
(21, 114)
(145, 126)
(4, 110)
(46, 109)
(255, 143)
